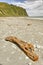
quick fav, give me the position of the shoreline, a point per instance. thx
(25, 18)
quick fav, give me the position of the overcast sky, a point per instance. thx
(33, 7)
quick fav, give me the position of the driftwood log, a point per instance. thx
(28, 48)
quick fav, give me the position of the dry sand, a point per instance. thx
(26, 29)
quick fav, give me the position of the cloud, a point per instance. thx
(30, 0)
(33, 7)
(35, 12)
(29, 4)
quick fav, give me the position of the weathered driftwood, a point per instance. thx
(27, 48)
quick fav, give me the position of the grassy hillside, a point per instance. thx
(11, 10)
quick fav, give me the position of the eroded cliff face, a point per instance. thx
(11, 10)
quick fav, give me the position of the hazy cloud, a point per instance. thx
(33, 7)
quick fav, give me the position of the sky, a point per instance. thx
(33, 7)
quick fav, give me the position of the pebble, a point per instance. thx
(30, 64)
(36, 41)
(37, 46)
(26, 57)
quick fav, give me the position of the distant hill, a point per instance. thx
(11, 10)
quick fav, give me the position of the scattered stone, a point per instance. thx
(37, 46)
(28, 24)
(30, 63)
(27, 57)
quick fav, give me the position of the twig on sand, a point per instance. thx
(27, 48)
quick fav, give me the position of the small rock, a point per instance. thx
(28, 24)
(29, 63)
(38, 46)
(26, 57)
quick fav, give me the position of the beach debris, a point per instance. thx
(29, 63)
(28, 48)
(26, 57)
(28, 24)
(38, 46)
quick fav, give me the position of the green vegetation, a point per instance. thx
(11, 10)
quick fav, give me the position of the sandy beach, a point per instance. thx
(26, 29)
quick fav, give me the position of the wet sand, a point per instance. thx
(26, 29)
